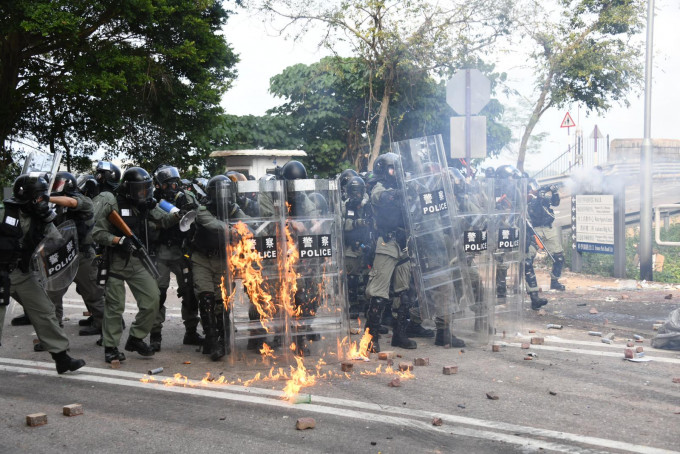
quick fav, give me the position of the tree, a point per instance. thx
(392, 37)
(583, 52)
(137, 78)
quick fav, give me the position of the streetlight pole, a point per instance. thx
(646, 271)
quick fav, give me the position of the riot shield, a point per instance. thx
(508, 246)
(434, 237)
(313, 287)
(474, 202)
(55, 258)
(254, 258)
(40, 162)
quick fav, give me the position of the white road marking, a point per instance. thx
(580, 351)
(355, 409)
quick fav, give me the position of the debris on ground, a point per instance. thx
(537, 341)
(405, 366)
(72, 410)
(525, 345)
(346, 366)
(495, 348)
(595, 333)
(492, 396)
(552, 393)
(450, 370)
(437, 421)
(421, 362)
(593, 310)
(305, 423)
(395, 383)
(554, 326)
(36, 419)
(668, 297)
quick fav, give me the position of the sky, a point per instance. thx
(264, 54)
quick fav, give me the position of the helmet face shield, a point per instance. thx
(167, 173)
(139, 191)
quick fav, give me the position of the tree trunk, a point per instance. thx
(539, 110)
(380, 129)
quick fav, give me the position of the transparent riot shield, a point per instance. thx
(40, 162)
(254, 259)
(55, 259)
(434, 237)
(474, 202)
(313, 282)
(508, 236)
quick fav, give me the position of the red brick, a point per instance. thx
(630, 344)
(639, 349)
(628, 353)
(421, 362)
(305, 423)
(73, 410)
(437, 421)
(390, 362)
(386, 355)
(395, 383)
(36, 419)
(347, 366)
(532, 331)
(492, 396)
(528, 358)
(115, 364)
(450, 370)
(525, 345)
(495, 348)
(537, 340)
(676, 380)
(405, 366)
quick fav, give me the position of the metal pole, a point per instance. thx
(646, 270)
(468, 120)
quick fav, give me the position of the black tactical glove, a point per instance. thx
(554, 188)
(186, 208)
(126, 245)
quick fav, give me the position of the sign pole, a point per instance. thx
(468, 121)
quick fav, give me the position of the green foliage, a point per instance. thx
(137, 79)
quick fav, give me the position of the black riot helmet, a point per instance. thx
(107, 175)
(320, 202)
(87, 185)
(293, 170)
(64, 184)
(532, 186)
(137, 187)
(345, 176)
(507, 171)
(168, 180)
(356, 188)
(489, 172)
(220, 187)
(235, 176)
(30, 188)
(385, 167)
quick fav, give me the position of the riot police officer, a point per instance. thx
(26, 219)
(208, 264)
(391, 266)
(170, 257)
(356, 229)
(133, 202)
(82, 214)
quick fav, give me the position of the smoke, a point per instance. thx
(594, 181)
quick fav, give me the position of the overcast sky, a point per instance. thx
(264, 54)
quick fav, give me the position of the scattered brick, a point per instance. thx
(115, 364)
(639, 349)
(405, 366)
(593, 310)
(36, 419)
(676, 380)
(532, 331)
(528, 358)
(390, 362)
(36, 341)
(186, 362)
(450, 370)
(495, 348)
(305, 423)
(624, 297)
(398, 355)
(395, 383)
(73, 410)
(421, 362)
(669, 296)
(347, 366)
(657, 326)
(541, 312)
(492, 396)
(628, 353)
(537, 340)
(525, 345)
(437, 421)
(639, 341)
(630, 344)
(386, 355)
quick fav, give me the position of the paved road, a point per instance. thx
(576, 395)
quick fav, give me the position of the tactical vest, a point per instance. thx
(136, 222)
(172, 235)
(10, 235)
(388, 215)
(84, 222)
(205, 241)
(540, 214)
(358, 234)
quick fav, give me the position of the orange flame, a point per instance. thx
(359, 351)
(267, 352)
(298, 380)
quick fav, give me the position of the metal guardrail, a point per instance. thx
(657, 226)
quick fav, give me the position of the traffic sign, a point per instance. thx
(567, 122)
(480, 91)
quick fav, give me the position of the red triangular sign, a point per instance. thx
(567, 122)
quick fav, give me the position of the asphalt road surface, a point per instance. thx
(576, 395)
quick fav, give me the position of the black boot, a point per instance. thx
(191, 337)
(86, 321)
(65, 363)
(206, 309)
(556, 285)
(536, 301)
(399, 338)
(501, 284)
(221, 346)
(301, 346)
(417, 330)
(90, 330)
(374, 315)
(134, 344)
(155, 340)
(22, 320)
(112, 353)
(444, 338)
